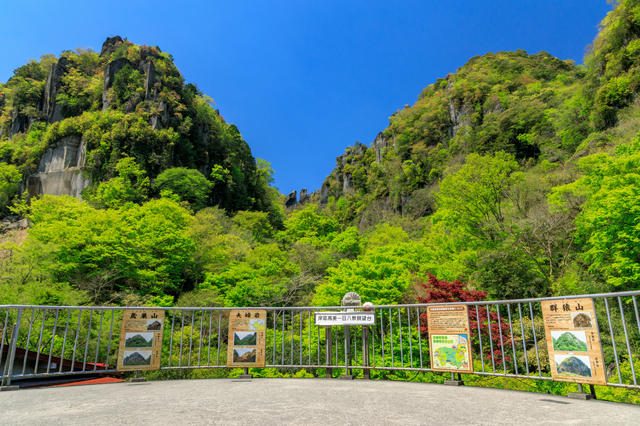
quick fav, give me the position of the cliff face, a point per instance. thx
(60, 170)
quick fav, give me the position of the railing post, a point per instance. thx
(8, 370)
(329, 360)
(366, 373)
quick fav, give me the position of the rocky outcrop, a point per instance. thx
(19, 123)
(459, 117)
(59, 171)
(347, 184)
(304, 197)
(149, 70)
(161, 117)
(49, 108)
(110, 45)
(110, 72)
(573, 366)
(14, 223)
(379, 144)
(292, 200)
(324, 193)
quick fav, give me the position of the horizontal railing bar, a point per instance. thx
(315, 308)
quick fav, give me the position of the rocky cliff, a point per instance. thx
(60, 170)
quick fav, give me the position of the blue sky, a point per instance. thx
(303, 80)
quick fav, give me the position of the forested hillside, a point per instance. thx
(517, 175)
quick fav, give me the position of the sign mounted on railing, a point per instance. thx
(345, 318)
(573, 341)
(140, 339)
(449, 338)
(247, 338)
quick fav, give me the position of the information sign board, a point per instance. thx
(345, 318)
(140, 339)
(573, 341)
(449, 338)
(247, 338)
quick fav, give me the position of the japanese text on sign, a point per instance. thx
(345, 318)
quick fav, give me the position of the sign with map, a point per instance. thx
(247, 338)
(573, 340)
(449, 338)
(140, 339)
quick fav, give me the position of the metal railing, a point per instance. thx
(507, 339)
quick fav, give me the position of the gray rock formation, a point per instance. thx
(49, 107)
(292, 200)
(110, 45)
(347, 184)
(149, 69)
(59, 171)
(379, 144)
(161, 117)
(110, 72)
(324, 193)
(304, 197)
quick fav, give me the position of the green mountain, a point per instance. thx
(67, 122)
(249, 340)
(136, 359)
(569, 342)
(138, 341)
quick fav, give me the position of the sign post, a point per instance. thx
(573, 341)
(449, 346)
(247, 339)
(140, 341)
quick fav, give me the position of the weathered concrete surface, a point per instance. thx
(300, 401)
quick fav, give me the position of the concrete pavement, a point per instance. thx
(300, 401)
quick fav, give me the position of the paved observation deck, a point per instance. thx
(300, 401)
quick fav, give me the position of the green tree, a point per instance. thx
(609, 223)
(381, 276)
(189, 184)
(130, 186)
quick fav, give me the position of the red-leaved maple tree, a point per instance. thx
(440, 291)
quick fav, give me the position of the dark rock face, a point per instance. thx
(293, 200)
(304, 197)
(19, 123)
(582, 321)
(110, 72)
(324, 193)
(149, 69)
(48, 105)
(574, 366)
(110, 45)
(145, 53)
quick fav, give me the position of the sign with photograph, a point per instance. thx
(247, 338)
(140, 339)
(345, 318)
(573, 341)
(449, 338)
